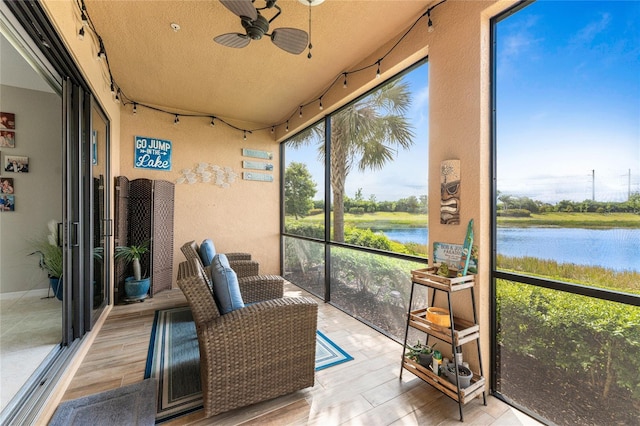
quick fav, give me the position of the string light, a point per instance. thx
(83, 15)
(118, 94)
(101, 53)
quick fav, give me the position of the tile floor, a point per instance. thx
(30, 328)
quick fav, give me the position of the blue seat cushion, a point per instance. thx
(207, 251)
(226, 290)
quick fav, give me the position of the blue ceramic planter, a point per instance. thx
(56, 286)
(136, 289)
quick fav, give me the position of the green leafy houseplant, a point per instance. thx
(132, 254)
(49, 251)
(420, 353)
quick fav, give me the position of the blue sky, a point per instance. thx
(568, 104)
(569, 100)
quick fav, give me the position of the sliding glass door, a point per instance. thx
(56, 201)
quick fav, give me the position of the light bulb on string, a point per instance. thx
(117, 98)
(429, 22)
(378, 71)
(176, 120)
(320, 106)
(344, 84)
(300, 112)
(213, 123)
(101, 53)
(81, 34)
(286, 129)
(135, 107)
(273, 129)
(244, 136)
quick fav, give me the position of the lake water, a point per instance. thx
(617, 249)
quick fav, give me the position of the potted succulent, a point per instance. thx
(135, 287)
(51, 259)
(421, 353)
(464, 375)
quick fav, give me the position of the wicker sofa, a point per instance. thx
(252, 354)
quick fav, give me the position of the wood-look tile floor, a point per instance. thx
(365, 391)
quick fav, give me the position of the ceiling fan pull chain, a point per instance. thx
(310, 45)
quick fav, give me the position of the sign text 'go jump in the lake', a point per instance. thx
(152, 153)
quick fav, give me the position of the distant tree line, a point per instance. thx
(512, 205)
(410, 204)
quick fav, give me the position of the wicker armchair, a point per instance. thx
(252, 354)
(241, 263)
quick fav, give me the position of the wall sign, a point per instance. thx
(152, 153)
(262, 177)
(450, 192)
(257, 154)
(257, 165)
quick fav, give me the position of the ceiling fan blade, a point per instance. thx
(241, 8)
(291, 40)
(236, 40)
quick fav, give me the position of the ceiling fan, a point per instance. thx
(256, 26)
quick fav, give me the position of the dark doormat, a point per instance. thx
(129, 405)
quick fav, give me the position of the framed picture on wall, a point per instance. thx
(6, 185)
(7, 120)
(7, 203)
(15, 163)
(7, 139)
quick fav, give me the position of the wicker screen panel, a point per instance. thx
(141, 218)
(144, 213)
(120, 233)
(162, 256)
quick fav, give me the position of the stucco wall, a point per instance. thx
(242, 217)
(37, 193)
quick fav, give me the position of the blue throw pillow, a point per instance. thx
(207, 251)
(226, 291)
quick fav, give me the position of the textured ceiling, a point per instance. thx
(262, 84)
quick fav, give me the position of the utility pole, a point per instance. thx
(593, 185)
(629, 186)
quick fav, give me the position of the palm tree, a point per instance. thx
(366, 135)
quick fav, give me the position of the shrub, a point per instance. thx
(514, 213)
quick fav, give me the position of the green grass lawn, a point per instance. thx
(574, 220)
(386, 220)
(378, 221)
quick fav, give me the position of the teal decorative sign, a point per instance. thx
(152, 153)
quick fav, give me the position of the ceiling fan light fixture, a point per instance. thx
(311, 2)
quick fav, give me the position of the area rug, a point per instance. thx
(127, 405)
(174, 360)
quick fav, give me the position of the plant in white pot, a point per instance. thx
(135, 287)
(51, 258)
